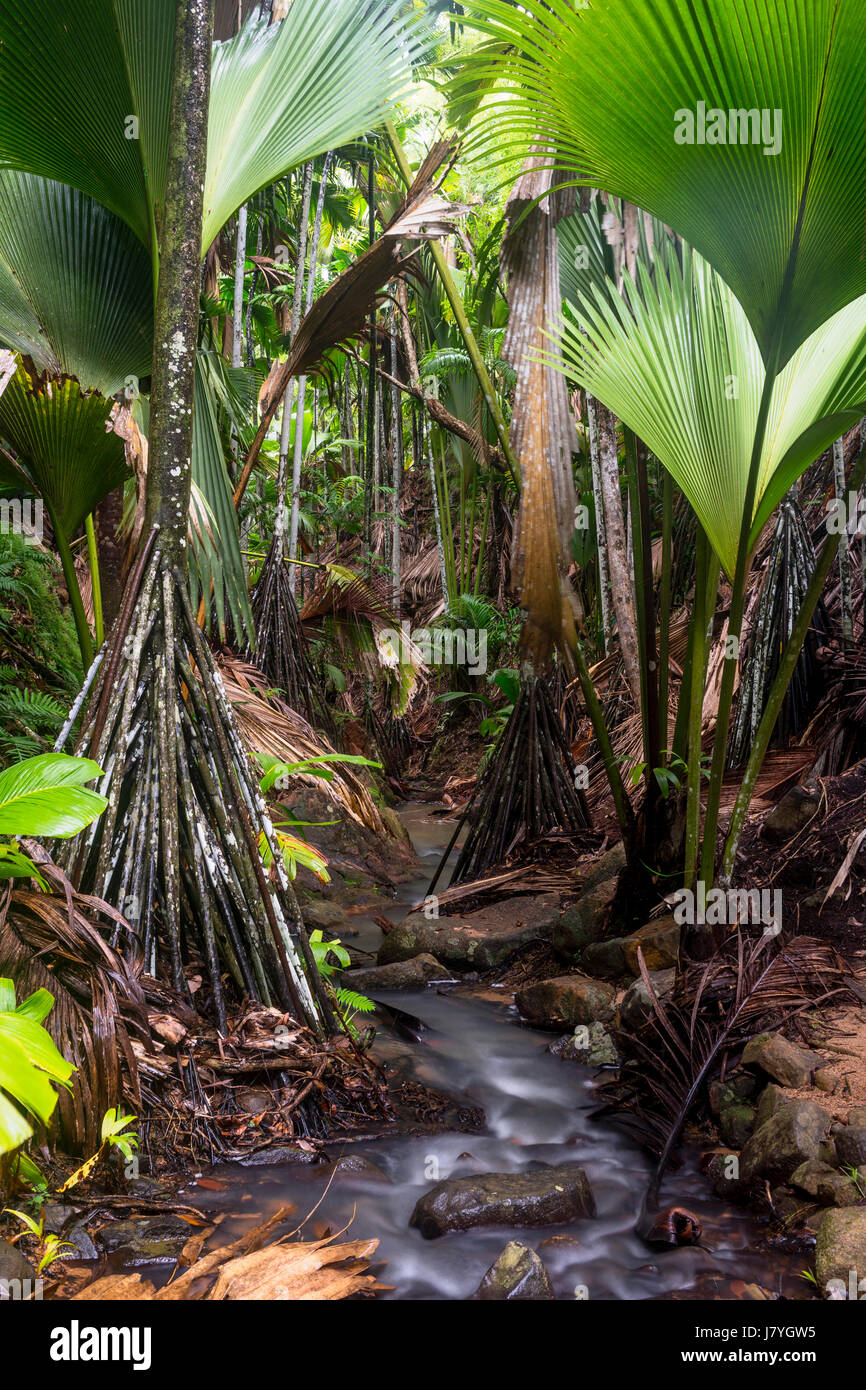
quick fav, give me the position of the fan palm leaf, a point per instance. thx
(766, 212)
(676, 360)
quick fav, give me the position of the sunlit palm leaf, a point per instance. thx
(739, 206)
(677, 361)
(282, 94)
(88, 104)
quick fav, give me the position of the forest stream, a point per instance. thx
(538, 1111)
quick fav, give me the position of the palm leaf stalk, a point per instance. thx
(178, 844)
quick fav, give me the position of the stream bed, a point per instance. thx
(537, 1110)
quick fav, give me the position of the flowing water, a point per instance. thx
(537, 1110)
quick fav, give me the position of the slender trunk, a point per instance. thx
(238, 307)
(302, 381)
(397, 480)
(617, 550)
(600, 529)
(177, 297)
(845, 601)
(281, 519)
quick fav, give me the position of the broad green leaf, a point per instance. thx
(677, 361)
(66, 455)
(608, 83)
(44, 796)
(75, 285)
(14, 1128)
(37, 1006)
(283, 93)
(88, 105)
(36, 1044)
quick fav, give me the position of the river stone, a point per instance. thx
(740, 1086)
(540, 1197)
(795, 809)
(13, 1266)
(604, 959)
(516, 1274)
(851, 1146)
(771, 1099)
(356, 1166)
(841, 1246)
(145, 1240)
(585, 921)
(736, 1122)
(790, 1137)
(660, 943)
(324, 915)
(565, 1001)
(723, 1173)
(636, 1008)
(787, 1063)
(476, 940)
(825, 1080)
(589, 1047)
(278, 1153)
(414, 973)
(608, 866)
(857, 1116)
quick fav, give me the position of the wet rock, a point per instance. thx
(723, 1173)
(55, 1215)
(588, 1046)
(608, 866)
(660, 943)
(324, 915)
(565, 1001)
(740, 1086)
(13, 1266)
(784, 1061)
(79, 1237)
(585, 921)
(540, 1197)
(414, 973)
(771, 1099)
(278, 1153)
(851, 1146)
(476, 940)
(812, 1176)
(790, 815)
(145, 1240)
(356, 1166)
(636, 1008)
(841, 1246)
(807, 1175)
(736, 1122)
(790, 1137)
(604, 959)
(516, 1274)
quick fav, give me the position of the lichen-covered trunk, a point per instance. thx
(177, 298)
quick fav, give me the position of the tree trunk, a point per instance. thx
(617, 549)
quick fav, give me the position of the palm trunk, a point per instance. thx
(617, 550)
(302, 382)
(600, 529)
